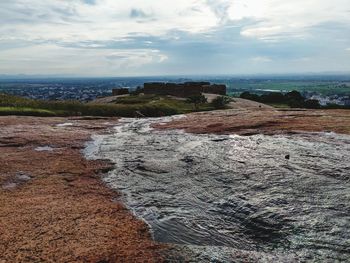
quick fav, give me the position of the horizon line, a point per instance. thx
(53, 76)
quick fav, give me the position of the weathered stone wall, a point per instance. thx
(186, 89)
(215, 89)
(122, 91)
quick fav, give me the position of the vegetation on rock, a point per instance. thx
(148, 106)
(196, 100)
(221, 102)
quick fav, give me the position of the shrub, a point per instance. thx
(249, 96)
(312, 104)
(197, 99)
(273, 97)
(294, 95)
(293, 99)
(296, 104)
(220, 102)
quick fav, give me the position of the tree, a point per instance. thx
(220, 102)
(196, 100)
(294, 95)
(272, 97)
(312, 104)
(295, 99)
(249, 96)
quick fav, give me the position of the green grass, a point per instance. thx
(134, 99)
(26, 112)
(161, 102)
(182, 106)
(149, 106)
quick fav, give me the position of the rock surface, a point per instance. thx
(263, 121)
(53, 207)
(231, 198)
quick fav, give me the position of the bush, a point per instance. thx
(249, 96)
(294, 95)
(273, 97)
(293, 99)
(312, 104)
(295, 104)
(220, 102)
(197, 99)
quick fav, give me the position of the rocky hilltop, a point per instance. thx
(263, 120)
(54, 206)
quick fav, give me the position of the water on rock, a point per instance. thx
(230, 197)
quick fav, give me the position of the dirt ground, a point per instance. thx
(53, 207)
(250, 121)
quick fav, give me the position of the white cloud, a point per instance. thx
(115, 37)
(90, 62)
(278, 19)
(76, 20)
(106, 19)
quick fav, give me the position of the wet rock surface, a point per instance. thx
(231, 198)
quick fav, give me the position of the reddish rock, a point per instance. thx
(53, 206)
(264, 121)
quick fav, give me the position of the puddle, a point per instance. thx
(66, 124)
(44, 149)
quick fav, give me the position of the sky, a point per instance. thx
(100, 38)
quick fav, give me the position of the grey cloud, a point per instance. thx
(220, 8)
(222, 49)
(138, 13)
(141, 16)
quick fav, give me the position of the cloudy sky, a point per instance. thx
(163, 37)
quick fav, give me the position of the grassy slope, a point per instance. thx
(26, 111)
(182, 106)
(150, 106)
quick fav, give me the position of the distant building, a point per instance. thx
(186, 89)
(120, 91)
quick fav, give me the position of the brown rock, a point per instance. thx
(63, 213)
(265, 121)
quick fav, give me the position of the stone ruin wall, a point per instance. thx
(121, 91)
(215, 89)
(186, 89)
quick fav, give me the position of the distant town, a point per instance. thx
(331, 90)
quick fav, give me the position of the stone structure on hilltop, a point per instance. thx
(120, 91)
(186, 89)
